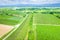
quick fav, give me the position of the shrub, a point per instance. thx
(58, 16)
(51, 13)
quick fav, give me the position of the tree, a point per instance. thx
(51, 13)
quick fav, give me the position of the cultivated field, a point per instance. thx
(4, 29)
(47, 27)
(13, 19)
(30, 24)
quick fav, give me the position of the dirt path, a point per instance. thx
(4, 29)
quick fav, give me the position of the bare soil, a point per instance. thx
(5, 29)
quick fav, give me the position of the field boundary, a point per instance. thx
(16, 27)
(48, 24)
(34, 29)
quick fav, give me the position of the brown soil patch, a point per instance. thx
(5, 29)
